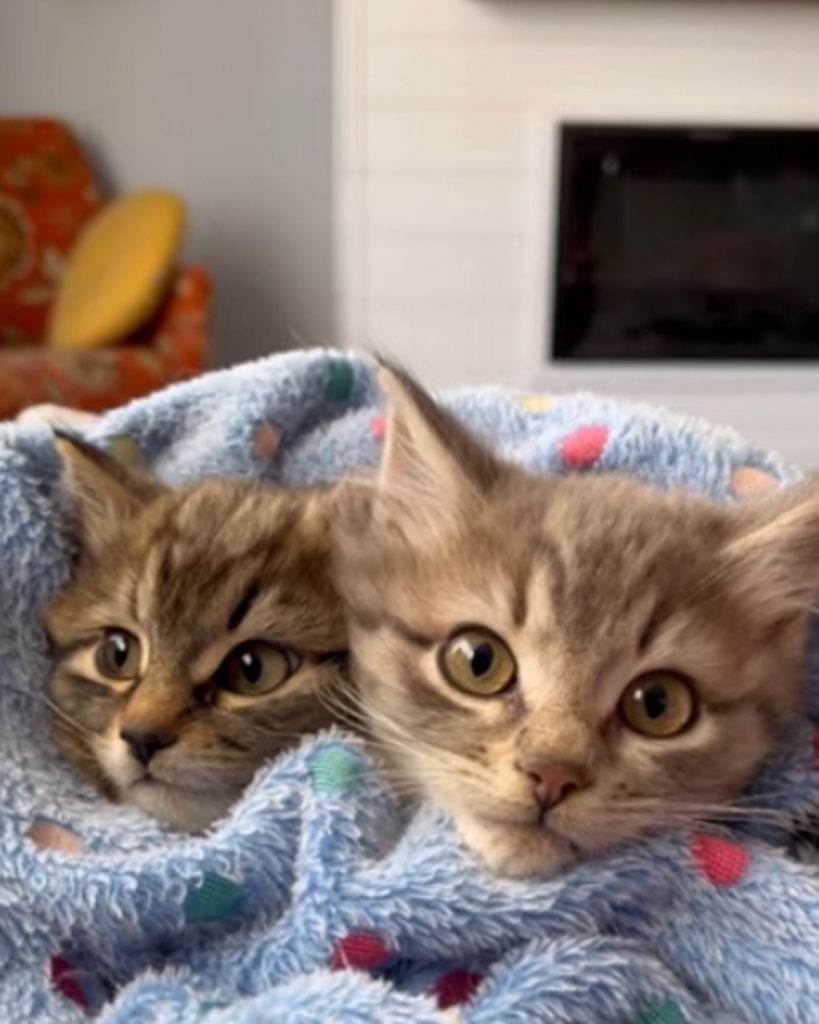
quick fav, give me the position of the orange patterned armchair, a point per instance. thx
(47, 195)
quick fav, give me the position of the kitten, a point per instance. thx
(565, 663)
(195, 637)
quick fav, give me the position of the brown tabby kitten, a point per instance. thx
(564, 663)
(194, 637)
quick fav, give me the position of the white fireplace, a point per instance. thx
(447, 124)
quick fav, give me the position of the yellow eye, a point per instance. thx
(658, 705)
(118, 655)
(255, 668)
(477, 662)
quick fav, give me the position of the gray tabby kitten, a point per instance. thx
(196, 637)
(565, 663)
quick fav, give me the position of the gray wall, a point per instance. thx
(228, 101)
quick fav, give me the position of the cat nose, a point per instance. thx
(145, 743)
(552, 783)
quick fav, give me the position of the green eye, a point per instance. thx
(255, 668)
(658, 705)
(118, 655)
(477, 662)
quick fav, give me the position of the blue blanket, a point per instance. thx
(315, 900)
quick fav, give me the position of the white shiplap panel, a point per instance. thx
(446, 172)
(433, 73)
(443, 268)
(447, 206)
(600, 23)
(452, 343)
(430, 141)
(434, 18)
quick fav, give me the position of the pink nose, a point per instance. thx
(552, 783)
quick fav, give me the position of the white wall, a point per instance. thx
(447, 114)
(228, 101)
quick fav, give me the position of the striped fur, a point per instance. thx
(591, 582)
(191, 573)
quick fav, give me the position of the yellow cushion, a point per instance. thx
(118, 271)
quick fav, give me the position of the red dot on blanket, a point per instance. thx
(378, 427)
(50, 835)
(63, 978)
(816, 750)
(267, 440)
(456, 988)
(750, 482)
(721, 862)
(581, 449)
(360, 951)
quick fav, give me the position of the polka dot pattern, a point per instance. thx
(582, 448)
(338, 384)
(664, 1012)
(456, 988)
(360, 951)
(333, 828)
(723, 863)
(50, 835)
(334, 771)
(750, 482)
(267, 441)
(214, 899)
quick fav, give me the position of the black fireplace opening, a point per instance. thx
(681, 243)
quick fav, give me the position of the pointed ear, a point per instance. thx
(432, 466)
(778, 555)
(105, 493)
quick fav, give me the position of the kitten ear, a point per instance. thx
(778, 553)
(104, 491)
(431, 465)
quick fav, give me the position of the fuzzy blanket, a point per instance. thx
(315, 901)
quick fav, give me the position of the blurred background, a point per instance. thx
(612, 195)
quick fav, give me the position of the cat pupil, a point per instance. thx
(655, 702)
(251, 667)
(120, 652)
(482, 659)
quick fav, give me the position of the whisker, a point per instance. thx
(44, 699)
(392, 736)
(688, 813)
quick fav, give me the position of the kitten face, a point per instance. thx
(565, 663)
(196, 633)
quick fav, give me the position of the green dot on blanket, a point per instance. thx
(664, 1012)
(334, 771)
(338, 384)
(213, 899)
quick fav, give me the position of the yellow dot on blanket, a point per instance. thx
(750, 482)
(536, 403)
